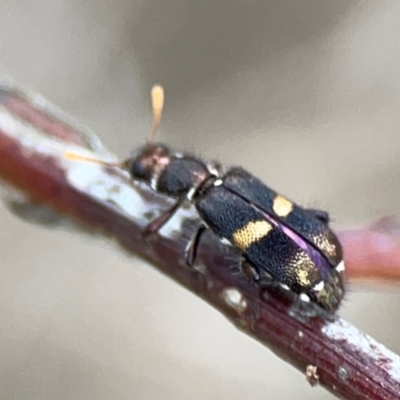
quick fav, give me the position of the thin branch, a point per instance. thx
(33, 138)
(373, 253)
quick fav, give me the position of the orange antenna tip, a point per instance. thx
(157, 98)
(157, 104)
(69, 155)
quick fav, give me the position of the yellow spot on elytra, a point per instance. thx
(303, 270)
(281, 206)
(303, 277)
(326, 245)
(251, 233)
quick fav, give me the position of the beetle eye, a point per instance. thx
(139, 170)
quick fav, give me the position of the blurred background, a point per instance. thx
(304, 94)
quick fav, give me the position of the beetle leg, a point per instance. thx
(154, 226)
(191, 249)
(250, 271)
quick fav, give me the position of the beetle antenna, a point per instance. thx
(157, 105)
(69, 155)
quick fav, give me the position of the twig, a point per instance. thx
(373, 253)
(33, 139)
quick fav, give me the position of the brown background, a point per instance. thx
(304, 94)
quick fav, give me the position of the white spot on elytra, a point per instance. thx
(218, 182)
(319, 286)
(304, 298)
(284, 286)
(226, 242)
(340, 267)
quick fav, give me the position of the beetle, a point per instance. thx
(282, 242)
